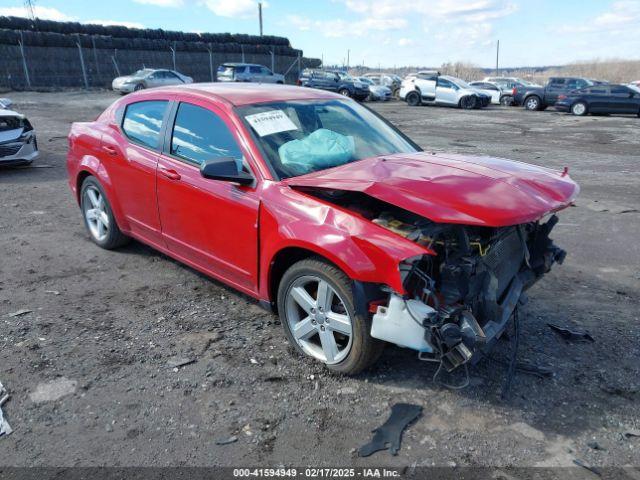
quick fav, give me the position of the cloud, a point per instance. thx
(116, 22)
(405, 42)
(161, 3)
(45, 13)
(234, 8)
(339, 28)
(623, 16)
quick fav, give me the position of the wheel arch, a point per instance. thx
(284, 258)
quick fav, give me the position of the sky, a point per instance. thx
(390, 33)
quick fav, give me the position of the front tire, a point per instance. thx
(98, 216)
(468, 103)
(506, 100)
(413, 99)
(532, 103)
(316, 307)
(138, 87)
(344, 92)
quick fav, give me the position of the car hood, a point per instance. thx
(450, 188)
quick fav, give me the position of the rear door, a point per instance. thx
(267, 75)
(427, 86)
(555, 87)
(598, 98)
(211, 224)
(172, 79)
(132, 147)
(255, 73)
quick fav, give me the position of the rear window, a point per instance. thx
(143, 121)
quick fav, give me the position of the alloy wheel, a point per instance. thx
(318, 319)
(532, 103)
(579, 109)
(95, 213)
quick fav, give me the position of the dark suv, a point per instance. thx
(335, 82)
(539, 98)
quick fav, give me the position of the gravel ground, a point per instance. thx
(88, 371)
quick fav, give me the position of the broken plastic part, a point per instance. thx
(401, 322)
(571, 336)
(390, 433)
(319, 150)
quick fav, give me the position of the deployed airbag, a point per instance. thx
(319, 150)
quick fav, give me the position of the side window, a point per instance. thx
(143, 121)
(444, 83)
(170, 75)
(573, 84)
(556, 82)
(620, 91)
(265, 71)
(256, 70)
(199, 135)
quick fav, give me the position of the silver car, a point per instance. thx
(247, 72)
(376, 91)
(18, 145)
(148, 78)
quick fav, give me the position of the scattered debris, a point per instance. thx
(596, 446)
(5, 428)
(52, 292)
(390, 433)
(347, 391)
(582, 464)
(177, 362)
(53, 390)
(253, 361)
(23, 311)
(632, 433)
(569, 335)
(227, 441)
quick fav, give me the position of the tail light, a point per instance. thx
(299, 82)
(514, 92)
(561, 97)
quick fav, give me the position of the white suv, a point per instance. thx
(431, 88)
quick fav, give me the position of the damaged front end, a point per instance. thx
(464, 296)
(457, 301)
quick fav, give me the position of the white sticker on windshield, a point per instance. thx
(268, 123)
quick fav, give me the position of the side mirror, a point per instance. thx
(225, 169)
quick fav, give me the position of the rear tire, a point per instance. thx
(138, 87)
(532, 103)
(354, 352)
(413, 99)
(579, 109)
(344, 92)
(98, 216)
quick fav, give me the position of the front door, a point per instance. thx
(211, 224)
(446, 92)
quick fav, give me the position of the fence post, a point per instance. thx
(242, 50)
(173, 55)
(273, 61)
(95, 55)
(84, 71)
(24, 60)
(211, 62)
(115, 64)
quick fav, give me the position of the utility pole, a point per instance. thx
(260, 16)
(348, 54)
(29, 6)
(497, 57)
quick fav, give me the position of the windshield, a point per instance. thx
(299, 137)
(140, 73)
(461, 83)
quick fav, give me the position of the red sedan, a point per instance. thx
(324, 212)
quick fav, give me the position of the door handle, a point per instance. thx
(169, 173)
(110, 150)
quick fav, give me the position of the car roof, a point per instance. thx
(239, 94)
(240, 64)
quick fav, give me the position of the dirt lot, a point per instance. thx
(108, 322)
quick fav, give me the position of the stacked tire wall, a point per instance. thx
(54, 52)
